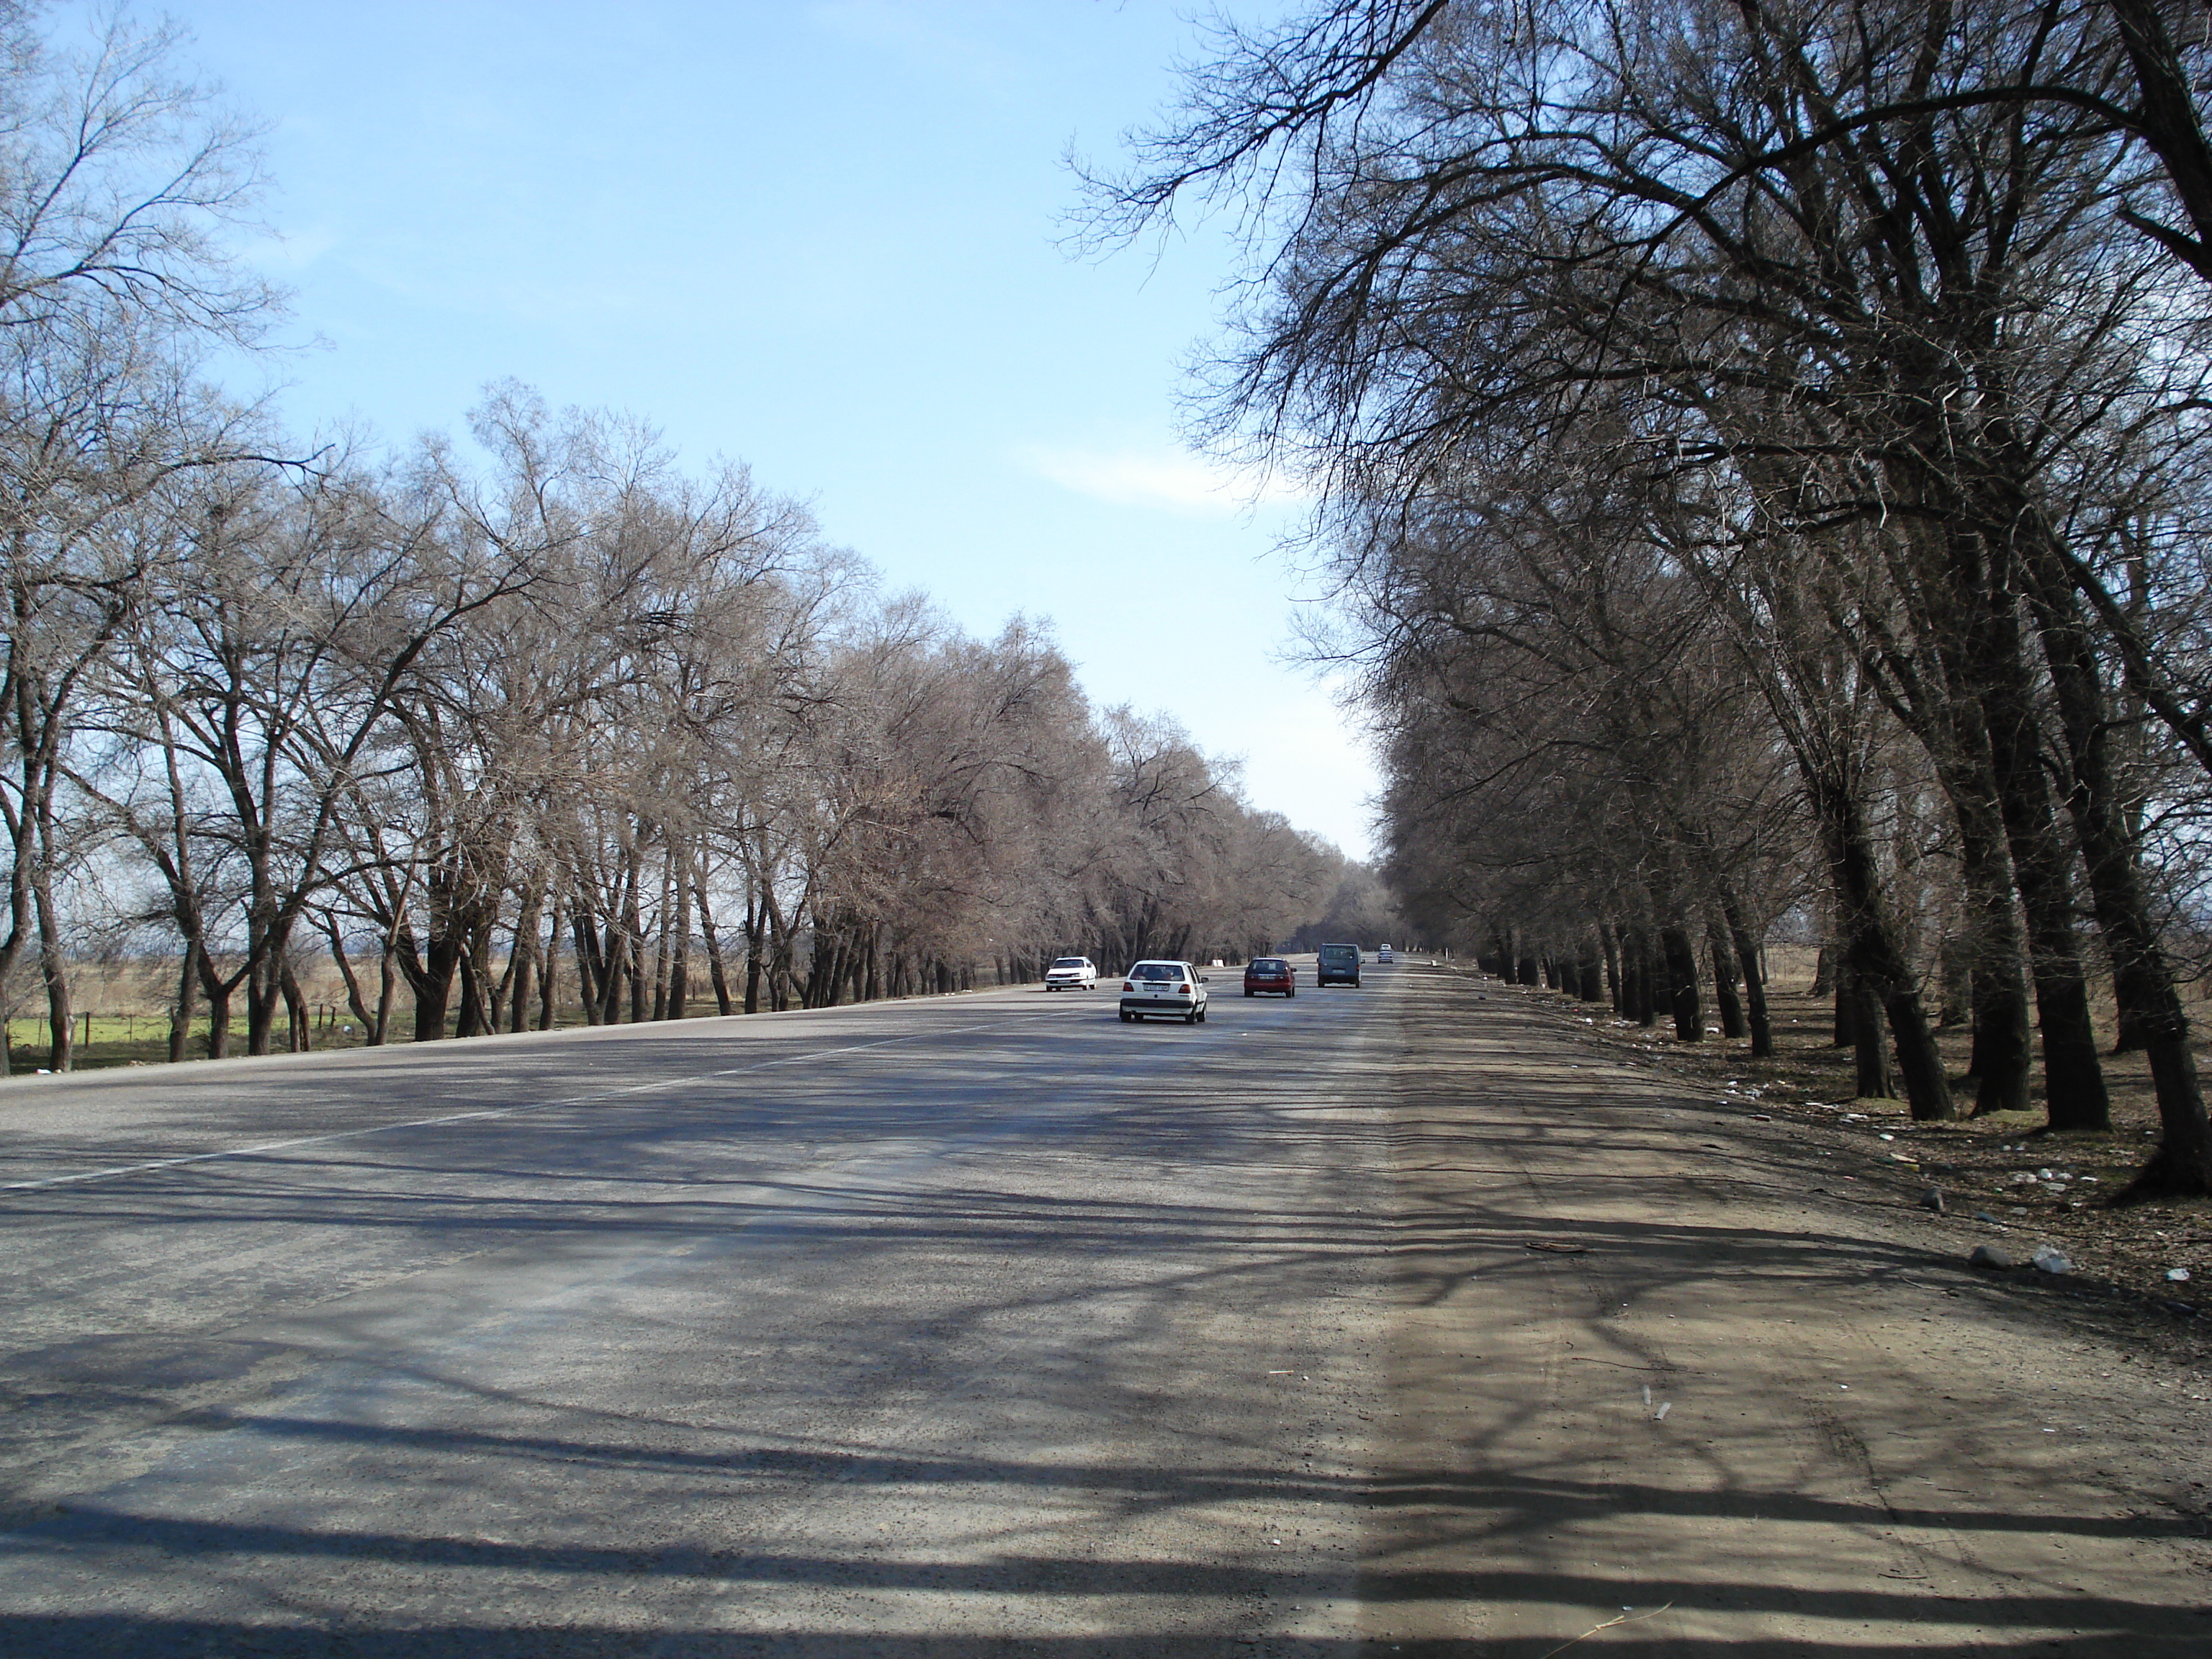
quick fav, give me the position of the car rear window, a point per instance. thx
(1071, 961)
(1265, 965)
(1157, 971)
(1339, 952)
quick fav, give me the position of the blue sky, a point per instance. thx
(820, 238)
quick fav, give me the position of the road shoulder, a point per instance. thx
(1658, 1388)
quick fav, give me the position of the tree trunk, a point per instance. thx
(512, 994)
(1646, 1012)
(355, 999)
(473, 1019)
(1681, 958)
(2003, 1053)
(635, 975)
(2143, 981)
(613, 960)
(680, 957)
(53, 970)
(1875, 959)
(756, 925)
(1590, 975)
(218, 1037)
(299, 1035)
(1871, 1052)
(433, 990)
(181, 1010)
(548, 974)
(520, 962)
(2074, 1081)
(779, 969)
(590, 967)
(1754, 976)
(388, 995)
(1954, 979)
(718, 971)
(265, 983)
(663, 966)
(1724, 979)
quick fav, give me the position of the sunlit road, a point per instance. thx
(1421, 1320)
(906, 1329)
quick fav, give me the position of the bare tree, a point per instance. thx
(116, 182)
(1827, 262)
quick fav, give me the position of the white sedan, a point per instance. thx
(1071, 974)
(1171, 989)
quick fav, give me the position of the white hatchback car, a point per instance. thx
(1171, 989)
(1071, 974)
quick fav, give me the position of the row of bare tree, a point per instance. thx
(540, 722)
(1764, 455)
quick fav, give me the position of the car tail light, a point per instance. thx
(1184, 988)
(1128, 985)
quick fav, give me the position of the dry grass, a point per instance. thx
(128, 1005)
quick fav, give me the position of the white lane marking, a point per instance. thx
(464, 1117)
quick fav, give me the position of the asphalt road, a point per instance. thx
(907, 1329)
(1414, 1319)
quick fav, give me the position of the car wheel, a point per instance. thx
(1201, 1017)
(1292, 991)
(1250, 992)
(1126, 1017)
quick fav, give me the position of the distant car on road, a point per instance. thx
(1071, 974)
(1270, 974)
(1383, 954)
(1337, 965)
(1163, 988)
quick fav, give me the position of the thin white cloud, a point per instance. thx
(1168, 481)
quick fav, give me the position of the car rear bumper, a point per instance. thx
(1159, 1005)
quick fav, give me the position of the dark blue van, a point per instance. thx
(1337, 965)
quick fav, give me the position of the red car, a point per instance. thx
(1270, 974)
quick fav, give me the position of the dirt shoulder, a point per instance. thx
(2005, 1180)
(1685, 1369)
